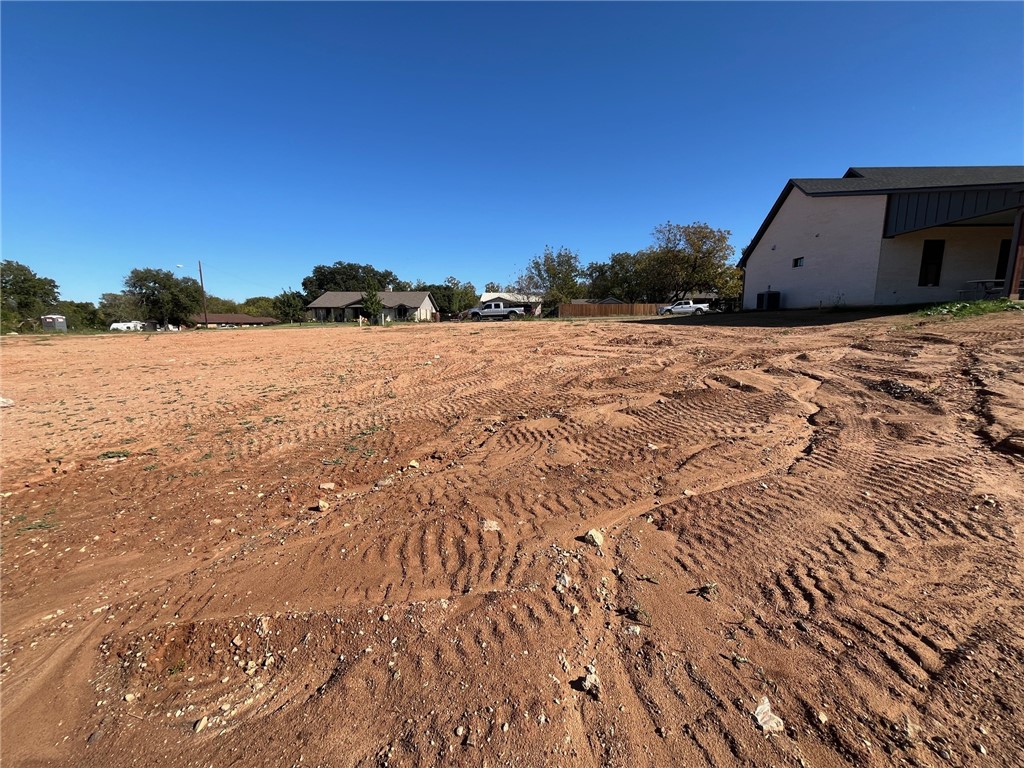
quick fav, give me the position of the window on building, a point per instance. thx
(798, 262)
(1004, 260)
(931, 262)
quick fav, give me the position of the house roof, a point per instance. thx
(390, 299)
(860, 181)
(514, 298)
(893, 180)
(233, 318)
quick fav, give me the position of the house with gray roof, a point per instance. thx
(346, 306)
(888, 236)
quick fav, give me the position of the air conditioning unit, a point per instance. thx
(769, 300)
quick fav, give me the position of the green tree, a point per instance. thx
(373, 306)
(24, 295)
(258, 306)
(493, 288)
(80, 315)
(730, 282)
(688, 258)
(219, 306)
(117, 308)
(452, 296)
(346, 276)
(289, 306)
(622, 276)
(162, 297)
(555, 274)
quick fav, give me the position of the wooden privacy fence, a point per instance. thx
(606, 310)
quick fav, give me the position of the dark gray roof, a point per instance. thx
(390, 299)
(859, 181)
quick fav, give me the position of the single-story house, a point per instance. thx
(886, 236)
(222, 319)
(343, 306)
(532, 304)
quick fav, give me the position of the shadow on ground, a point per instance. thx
(791, 318)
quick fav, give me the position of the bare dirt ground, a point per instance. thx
(829, 515)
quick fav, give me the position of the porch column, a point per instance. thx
(1015, 269)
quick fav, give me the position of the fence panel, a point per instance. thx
(606, 310)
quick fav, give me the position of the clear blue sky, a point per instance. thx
(457, 138)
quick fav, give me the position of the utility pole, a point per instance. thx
(206, 317)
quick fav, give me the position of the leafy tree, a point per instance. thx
(258, 306)
(220, 306)
(493, 288)
(373, 306)
(289, 306)
(117, 308)
(688, 258)
(452, 296)
(622, 276)
(555, 274)
(730, 282)
(24, 295)
(80, 315)
(162, 297)
(346, 276)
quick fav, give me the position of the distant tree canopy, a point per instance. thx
(258, 306)
(683, 259)
(24, 295)
(346, 276)
(218, 305)
(118, 308)
(690, 258)
(162, 297)
(80, 315)
(289, 306)
(451, 296)
(554, 274)
(493, 288)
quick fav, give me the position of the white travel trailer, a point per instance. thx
(131, 325)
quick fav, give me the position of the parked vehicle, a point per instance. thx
(496, 310)
(684, 307)
(132, 325)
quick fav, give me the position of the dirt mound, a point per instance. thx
(344, 547)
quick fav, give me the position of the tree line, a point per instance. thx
(680, 260)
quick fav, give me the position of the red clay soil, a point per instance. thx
(342, 547)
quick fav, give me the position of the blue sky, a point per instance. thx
(461, 138)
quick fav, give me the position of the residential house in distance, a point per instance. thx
(346, 306)
(887, 236)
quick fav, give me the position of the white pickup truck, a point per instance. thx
(684, 307)
(496, 309)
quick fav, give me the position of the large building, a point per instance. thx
(882, 236)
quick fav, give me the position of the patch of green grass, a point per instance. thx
(114, 455)
(42, 524)
(149, 468)
(971, 308)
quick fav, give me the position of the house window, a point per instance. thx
(798, 262)
(931, 262)
(1004, 260)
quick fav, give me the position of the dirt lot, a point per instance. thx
(827, 512)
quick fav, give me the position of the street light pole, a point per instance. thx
(206, 316)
